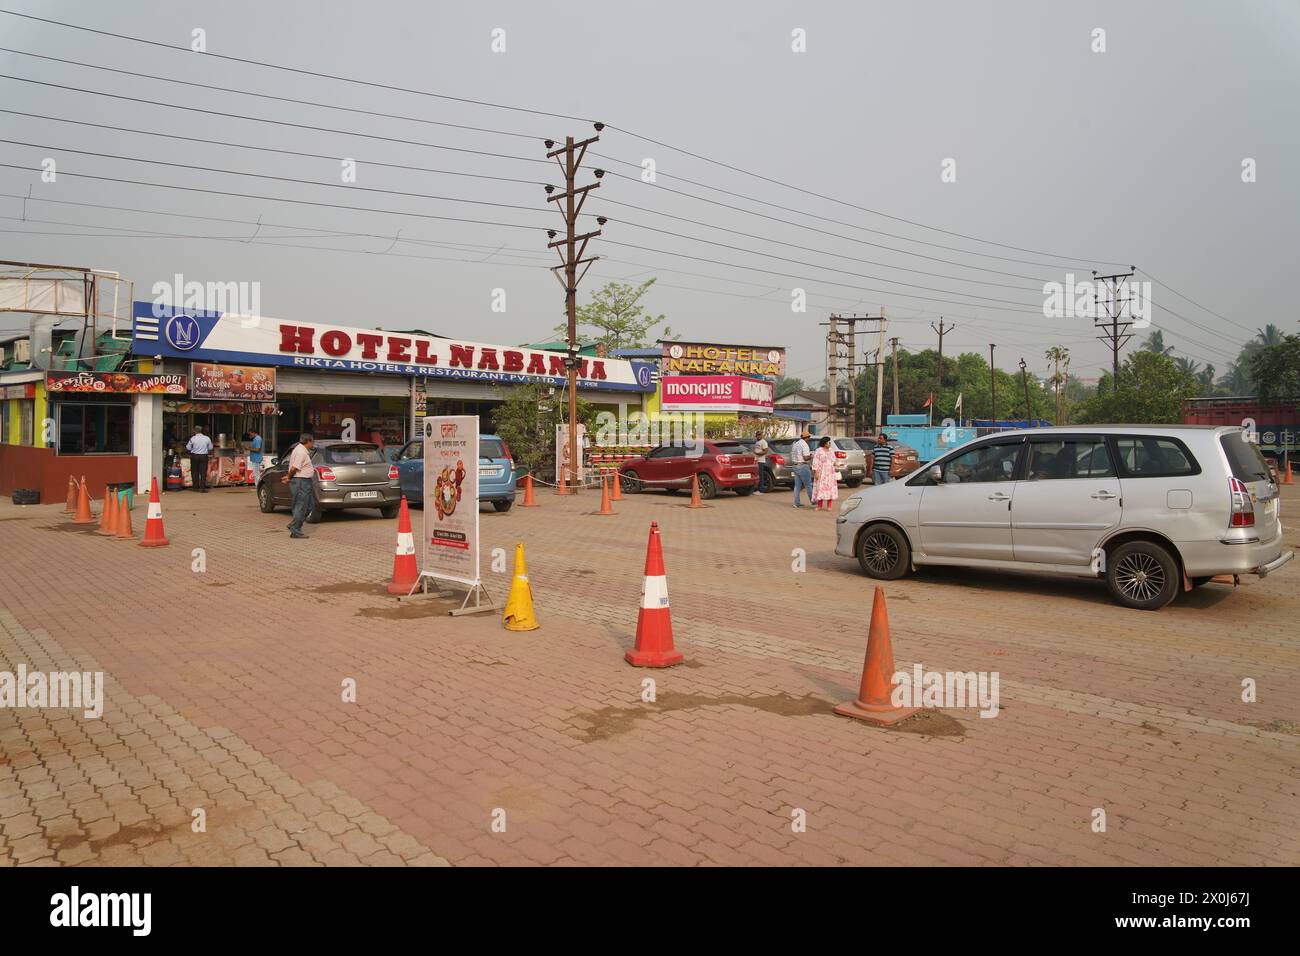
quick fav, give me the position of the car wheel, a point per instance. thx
(389, 511)
(744, 491)
(1142, 575)
(708, 487)
(265, 498)
(314, 514)
(502, 506)
(883, 552)
(631, 482)
(853, 482)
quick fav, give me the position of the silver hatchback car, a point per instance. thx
(1153, 509)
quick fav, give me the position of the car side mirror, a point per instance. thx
(936, 474)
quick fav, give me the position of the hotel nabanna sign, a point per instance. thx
(698, 358)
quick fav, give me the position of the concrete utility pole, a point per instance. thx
(574, 246)
(832, 373)
(993, 387)
(880, 374)
(1114, 332)
(848, 416)
(941, 330)
(893, 351)
(1024, 380)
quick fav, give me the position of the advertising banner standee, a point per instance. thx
(450, 522)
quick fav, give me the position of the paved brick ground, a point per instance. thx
(224, 694)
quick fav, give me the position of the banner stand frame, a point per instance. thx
(476, 591)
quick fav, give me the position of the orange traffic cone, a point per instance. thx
(561, 485)
(605, 509)
(71, 507)
(528, 492)
(83, 505)
(154, 535)
(695, 492)
(108, 517)
(654, 625)
(617, 481)
(1287, 479)
(124, 532)
(405, 571)
(874, 704)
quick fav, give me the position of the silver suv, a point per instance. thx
(1151, 508)
(850, 460)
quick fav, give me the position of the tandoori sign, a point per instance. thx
(215, 336)
(114, 383)
(696, 358)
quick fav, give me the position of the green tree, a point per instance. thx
(527, 420)
(788, 385)
(1059, 356)
(1156, 343)
(1277, 369)
(616, 317)
(1151, 392)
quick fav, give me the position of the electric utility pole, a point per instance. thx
(848, 414)
(941, 330)
(993, 388)
(571, 250)
(1114, 331)
(893, 352)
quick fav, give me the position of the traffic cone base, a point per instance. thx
(529, 502)
(695, 493)
(154, 535)
(519, 615)
(605, 508)
(561, 485)
(873, 703)
(616, 493)
(405, 571)
(654, 626)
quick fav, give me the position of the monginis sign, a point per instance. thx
(715, 393)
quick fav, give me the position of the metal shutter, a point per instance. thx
(301, 382)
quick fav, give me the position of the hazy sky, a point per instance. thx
(1133, 155)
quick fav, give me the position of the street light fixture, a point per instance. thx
(1024, 380)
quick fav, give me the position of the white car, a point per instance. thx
(1151, 508)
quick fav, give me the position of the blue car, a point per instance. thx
(496, 472)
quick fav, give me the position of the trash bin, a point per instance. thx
(125, 491)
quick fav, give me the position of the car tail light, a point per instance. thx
(324, 474)
(775, 459)
(1243, 511)
(724, 459)
(393, 473)
(841, 454)
(505, 452)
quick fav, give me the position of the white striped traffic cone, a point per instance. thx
(654, 625)
(405, 570)
(154, 536)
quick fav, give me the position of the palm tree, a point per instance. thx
(1268, 335)
(1156, 343)
(1189, 366)
(1236, 380)
(1205, 379)
(1058, 356)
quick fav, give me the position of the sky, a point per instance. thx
(827, 128)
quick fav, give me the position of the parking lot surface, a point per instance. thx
(226, 653)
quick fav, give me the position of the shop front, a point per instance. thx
(284, 378)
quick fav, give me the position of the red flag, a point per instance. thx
(929, 401)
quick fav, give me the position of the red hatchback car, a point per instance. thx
(721, 465)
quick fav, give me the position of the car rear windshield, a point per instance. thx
(490, 448)
(730, 448)
(352, 455)
(847, 444)
(1244, 459)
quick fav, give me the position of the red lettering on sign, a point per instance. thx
(422, 353)
(557, 365)
(397, 349)
(514, 361)
(296, 338)
(462, 356)
(369, 343)
(488, 359)
(582, 368)
(336, 343)
(536, 364)
(598, 371)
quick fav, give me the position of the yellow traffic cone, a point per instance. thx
(519, 605)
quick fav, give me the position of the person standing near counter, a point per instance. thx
(255, 455)
(200, 447)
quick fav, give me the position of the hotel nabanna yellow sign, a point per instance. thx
(697, 358)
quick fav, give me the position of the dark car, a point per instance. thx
(496, 472)
(721, 466)
(347, 474)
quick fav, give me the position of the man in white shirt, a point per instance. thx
(801, 468)
(200, 447)
(298, 477)
(760, 456)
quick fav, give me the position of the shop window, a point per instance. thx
(93, 429)
(5, 405)
(26, 416)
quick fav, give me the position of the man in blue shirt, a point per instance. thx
(200, 447)
(255, 456)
